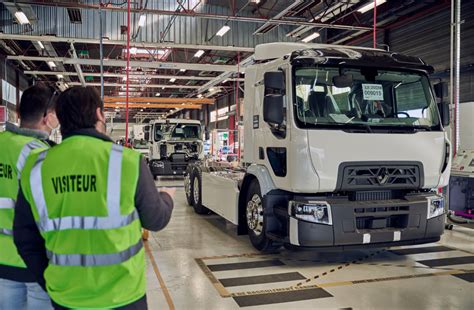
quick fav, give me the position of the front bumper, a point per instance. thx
(167, 167)
(370, 223)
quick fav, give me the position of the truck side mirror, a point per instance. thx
(274, 81)
(273, 112)
(444, 113)
(441, 90)
(146, 132)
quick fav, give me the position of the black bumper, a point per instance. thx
(366, 224)
(167, 167)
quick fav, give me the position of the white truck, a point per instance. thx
(174, 144)
(138, 141)
(344, 147)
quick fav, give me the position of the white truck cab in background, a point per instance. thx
(139, 141)
(344, 146)
(174, 143)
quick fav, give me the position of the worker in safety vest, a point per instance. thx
(18, 287)
(81, 209)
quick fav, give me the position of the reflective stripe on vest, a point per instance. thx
(113, 220)
(25, 151)
(87, 260)
(7, 203)
(4, 231)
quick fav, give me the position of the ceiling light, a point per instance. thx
(163, 87)
(60, 76)
(370, 6)
(172, 80)
(212, 89)
(182, 70)
(225, 81)
(41, 45)
(147, 103)
(223, 31)
(141, 110)
(51, 64)
(157, 94)
(199, 53)
(311, 37)
(21, 18)
(141, 21)
(199, 95)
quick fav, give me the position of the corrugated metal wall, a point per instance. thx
(184, 30)
(429, 39)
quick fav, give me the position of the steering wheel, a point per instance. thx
(396, 114)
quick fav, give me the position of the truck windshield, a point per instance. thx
(177, 131)
(140, 144)
(368, 98)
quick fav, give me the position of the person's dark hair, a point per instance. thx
(35, 102)
(76, 108)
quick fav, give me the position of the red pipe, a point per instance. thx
(237, 110)
(127, 70)
(375, 23)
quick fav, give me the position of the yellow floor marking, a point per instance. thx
(158, 276)
(215, 282)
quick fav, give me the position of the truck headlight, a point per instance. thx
(435, 206)
(312, 211)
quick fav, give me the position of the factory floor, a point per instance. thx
(199, 262)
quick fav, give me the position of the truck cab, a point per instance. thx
(344, 146)
(174, 143)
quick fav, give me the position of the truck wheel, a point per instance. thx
(256, 219)
(188, 189)
(197, 192)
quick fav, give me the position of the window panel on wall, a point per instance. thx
(8, 92)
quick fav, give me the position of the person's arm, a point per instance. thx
(154, 208)
(28, 240)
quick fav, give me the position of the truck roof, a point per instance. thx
(175, 120)
(335, 54)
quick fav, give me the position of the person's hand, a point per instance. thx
(169, 190)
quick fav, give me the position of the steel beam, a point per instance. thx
(78, 66)
(144, 45)
(159, 100)
(121, 75)
(134, 64)
(137, 85)
(153, 106)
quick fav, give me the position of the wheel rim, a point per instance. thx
(255, 214)
(196, 190)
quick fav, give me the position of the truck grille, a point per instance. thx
(381, 217)
(376, 176)
(373, 195)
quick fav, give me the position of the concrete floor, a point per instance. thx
(195, 258)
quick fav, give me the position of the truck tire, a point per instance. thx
(256, 219)
(188, 188)
(197, 194)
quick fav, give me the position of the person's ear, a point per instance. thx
(100, 115)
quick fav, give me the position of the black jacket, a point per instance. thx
(154, 209)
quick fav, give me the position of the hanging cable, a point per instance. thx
(127, 70)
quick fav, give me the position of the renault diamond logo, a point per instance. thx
(382, 176)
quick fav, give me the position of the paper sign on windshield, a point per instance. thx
(372, 91)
